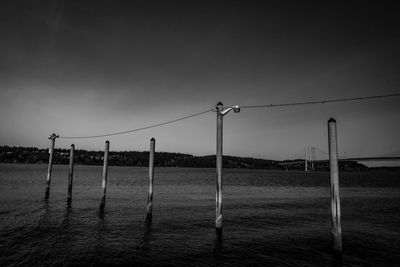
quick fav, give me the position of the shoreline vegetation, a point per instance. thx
(33, 155)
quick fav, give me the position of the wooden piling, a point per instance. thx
(105, 169)
(71, 172)
(151, 181)
(50, 167)
(335, 198)
(218, 199)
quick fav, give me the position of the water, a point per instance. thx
(271, 218)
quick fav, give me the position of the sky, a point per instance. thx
(79, 68)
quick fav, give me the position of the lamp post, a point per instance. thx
(221, 112)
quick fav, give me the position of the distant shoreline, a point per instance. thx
(33, 155)
(369, 169)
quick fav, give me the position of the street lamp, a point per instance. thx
(221, 112)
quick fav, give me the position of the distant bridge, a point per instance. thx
(308, 158)
(296, 162)
(372, 159)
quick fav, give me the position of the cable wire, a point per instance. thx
(138, 129)
(320, 101)
(252, 106)
(321, 151)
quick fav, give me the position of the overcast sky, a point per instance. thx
(81, 68)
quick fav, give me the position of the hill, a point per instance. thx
(33, 155)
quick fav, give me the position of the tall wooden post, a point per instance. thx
(151, 180)
(105, 168)
(335, 198)
(71, 172)
(50, 167)
(218, 199)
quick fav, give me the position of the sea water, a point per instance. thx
(270, 218)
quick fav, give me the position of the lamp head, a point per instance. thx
(54, 136)
(219, 105)
(236, 109)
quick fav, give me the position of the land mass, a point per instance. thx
(33, 155)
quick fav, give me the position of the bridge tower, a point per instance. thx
(309, 159)
(312, 158)
(305, 159)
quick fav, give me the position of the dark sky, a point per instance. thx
(93, 67)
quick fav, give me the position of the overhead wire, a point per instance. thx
(138, 129)
(321, 151)
(242, 107)
(320, 101)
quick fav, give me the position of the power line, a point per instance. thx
(321, 151)
(213, 109)
(138, 129)
(320, 101)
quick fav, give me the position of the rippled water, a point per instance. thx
(271, 218)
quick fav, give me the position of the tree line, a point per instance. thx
(33, 155)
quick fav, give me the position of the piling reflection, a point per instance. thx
(69, 202)
(100, 237)
(101, 215)
(144, 242)
(149, 219)
(67, 215)
(103, 203)
(337, 259)
(45, 217)
(218, 244)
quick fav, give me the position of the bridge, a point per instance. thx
(372, 159)
(310, 159)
